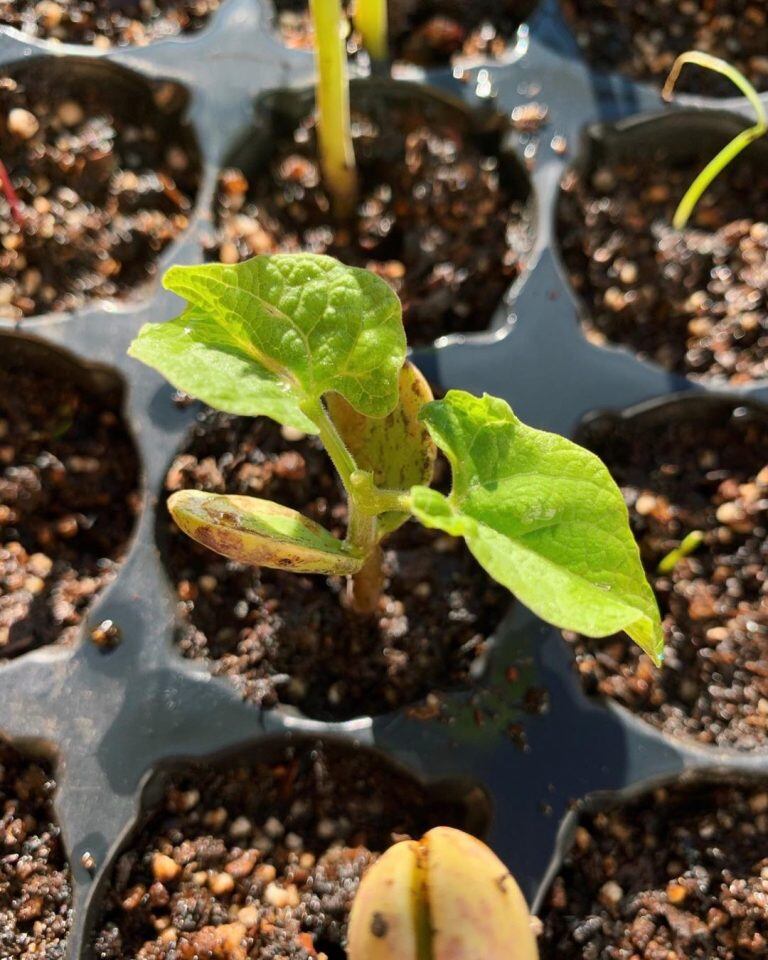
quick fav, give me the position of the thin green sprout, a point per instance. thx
(732, 149)
(689, 544)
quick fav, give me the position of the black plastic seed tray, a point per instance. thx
(112, 720)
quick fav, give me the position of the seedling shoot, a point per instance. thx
(688, 545)
(337, 155)
(371, 22)
(732, 149)
(320, 346)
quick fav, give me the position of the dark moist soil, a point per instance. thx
(426, 32)
(68, 498)
(695, 301)
(437, 217)
(642, 39)
(106, 177)
(35, 883)
(106, 23)
(260, 861)
(680, 875)
(286, 637)
(707, 472)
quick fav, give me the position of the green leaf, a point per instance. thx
(270, 334)
(261, 533)
(397, 449)
(543, 516)
(195, 357)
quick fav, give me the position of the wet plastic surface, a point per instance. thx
(112, 719)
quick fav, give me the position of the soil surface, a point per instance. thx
(262, 860)
(287, 637)
(680, 875)
(426, 32)
(106, 23)
(35, 884)
(706, 472)
(695, 301)
(106, 178)
(642, 39)
(68, 497)
(445, 223)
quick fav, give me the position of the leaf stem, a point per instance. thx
(340, 456)
(731, 149)
(365, 502)
(337, 155)
(377, 500)
(371, 21)
(361, 522)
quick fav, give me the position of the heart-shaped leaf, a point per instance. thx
(269, 334)
(396, 449)
(261, 533)
(543, 516)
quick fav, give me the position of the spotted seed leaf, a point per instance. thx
(261, 533)
(396, 449)
(543, 516)
(263, 336)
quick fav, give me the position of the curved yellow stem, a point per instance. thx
(731, 149)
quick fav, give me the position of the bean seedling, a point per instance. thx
(734, 147)
(320, 347)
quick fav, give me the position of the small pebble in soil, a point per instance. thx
(425, 32)
(700, 467)
(642, 39)
(261, 860)
(35, 883)
(105, 635)
(444, 222)
(681, 874)
(285, 637)
(106, 177)
(68, 499)
(694, 301)
(114, 23)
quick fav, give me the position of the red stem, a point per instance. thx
(10, 195)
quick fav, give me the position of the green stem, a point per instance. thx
(341, 458)
(337, 155)
(371, 21)
(365, 502)
(731, 149)
(377, 500)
